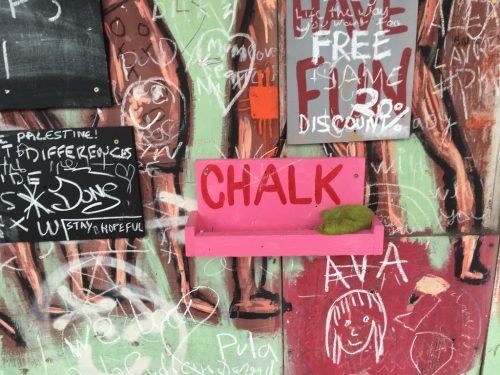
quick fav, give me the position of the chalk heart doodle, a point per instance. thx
(127, 173)
(215, 49)
(424, 356)
(356, 321)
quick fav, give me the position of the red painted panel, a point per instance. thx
(391, 314)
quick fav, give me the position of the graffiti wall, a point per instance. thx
(206, 79)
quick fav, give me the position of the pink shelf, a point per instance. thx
(202, 242)
(270, 207)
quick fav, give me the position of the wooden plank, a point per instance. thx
(404, 312)
(219, 308)
(491, 352)
(149, 309)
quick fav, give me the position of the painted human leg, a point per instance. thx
(23, 252)
(444, 142)
(153, 90)
(384, 189)
(255, 133)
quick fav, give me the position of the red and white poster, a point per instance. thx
(349, 69)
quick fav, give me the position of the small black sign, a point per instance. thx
(69, 184)
(52, 54)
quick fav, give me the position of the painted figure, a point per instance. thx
(254, 132)
(159, 105)
(152, 87)
(434, 113)
(428, 307)
(446, 144)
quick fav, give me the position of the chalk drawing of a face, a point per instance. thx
(355, 320)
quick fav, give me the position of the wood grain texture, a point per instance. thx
(203, 79)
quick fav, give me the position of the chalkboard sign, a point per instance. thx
(52, 54)
(69, 184)
(349, 69)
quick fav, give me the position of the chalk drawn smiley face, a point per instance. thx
(358, 326)
(356, 321)
(215, 49)
(146, 103)
(157, 109)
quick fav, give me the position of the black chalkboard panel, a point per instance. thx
(69, 184)
(52, 54)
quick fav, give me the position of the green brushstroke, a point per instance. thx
(417, 185)
(213, 348)
(437, 249)
(201, 340)
(151, 263)
(476, 368)
(305, 151)
(72, 118)
(492, 346)
(188, 27)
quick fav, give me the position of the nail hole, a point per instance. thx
(97, 89)
(116, 141)
(356, 175)
(206, 171)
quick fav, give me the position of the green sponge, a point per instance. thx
(345, 219)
